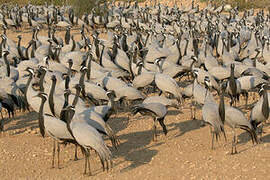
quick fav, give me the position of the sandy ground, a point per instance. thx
(185, 152)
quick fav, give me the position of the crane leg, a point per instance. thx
(224, 134)
(231, 102)
(154, 131)
(88, 161)
(102, 163)
(107, 165)
(234, 141)
(85, 163)
(246, 95)
(194, 112)
(217, 136)
(53, 153)
(235, 144)
(212, 133)
(58, 155)
(261, 131)
(191, 111)
(2, 123)
(111, 163)
(76, 153)
(161, 122)
(213, 139)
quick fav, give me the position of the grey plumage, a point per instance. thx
(88, 137)
(157, 111)
(260, 112)
(211, 115)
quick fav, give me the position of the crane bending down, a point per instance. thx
(157, 111)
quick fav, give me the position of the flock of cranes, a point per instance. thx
(154, 57)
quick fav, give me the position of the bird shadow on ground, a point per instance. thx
(134, 147)
(266, 139)
(244, 137)
(21, 122)
(185, 126)
(137, 153)
(118, 123)
(174, 112)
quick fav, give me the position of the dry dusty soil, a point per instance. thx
(185, 153)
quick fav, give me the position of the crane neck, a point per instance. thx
(63, 111)
(130, 66)
(41, 81)
(265, 105)
(26, 88)
(27, 51)
(97, 47)
(57, 54)
(140, 69)
(67, 36)
(66, 100)
(4, 43)
(221, 107)
(34, 47)
(68, 117)
(111, 103)
(179, 50)
(7, 65)
(67, 82)
(1, 48)
(51, 98)
(89, 67)
(41, 118)
(232, 73)
(100, 59)
(114, 52)
(81, 82)
(185, 52)
(76, 99)
(73, 44)
(50, 52)
(19, 48)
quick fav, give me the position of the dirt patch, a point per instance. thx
(184, 153)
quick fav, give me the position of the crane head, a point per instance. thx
(67, 92)
(111, 94)
(258, 49)
(42, 95)
(194, 58)
(42, 68)
(207, 81)
(70, 62)
(140, 63)
(157, 61)
(83, 69)
(30, 70)
(264, 86)
(77, 87)
(232, 66)
(195, 73)
(6, 52)
(53, 78)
